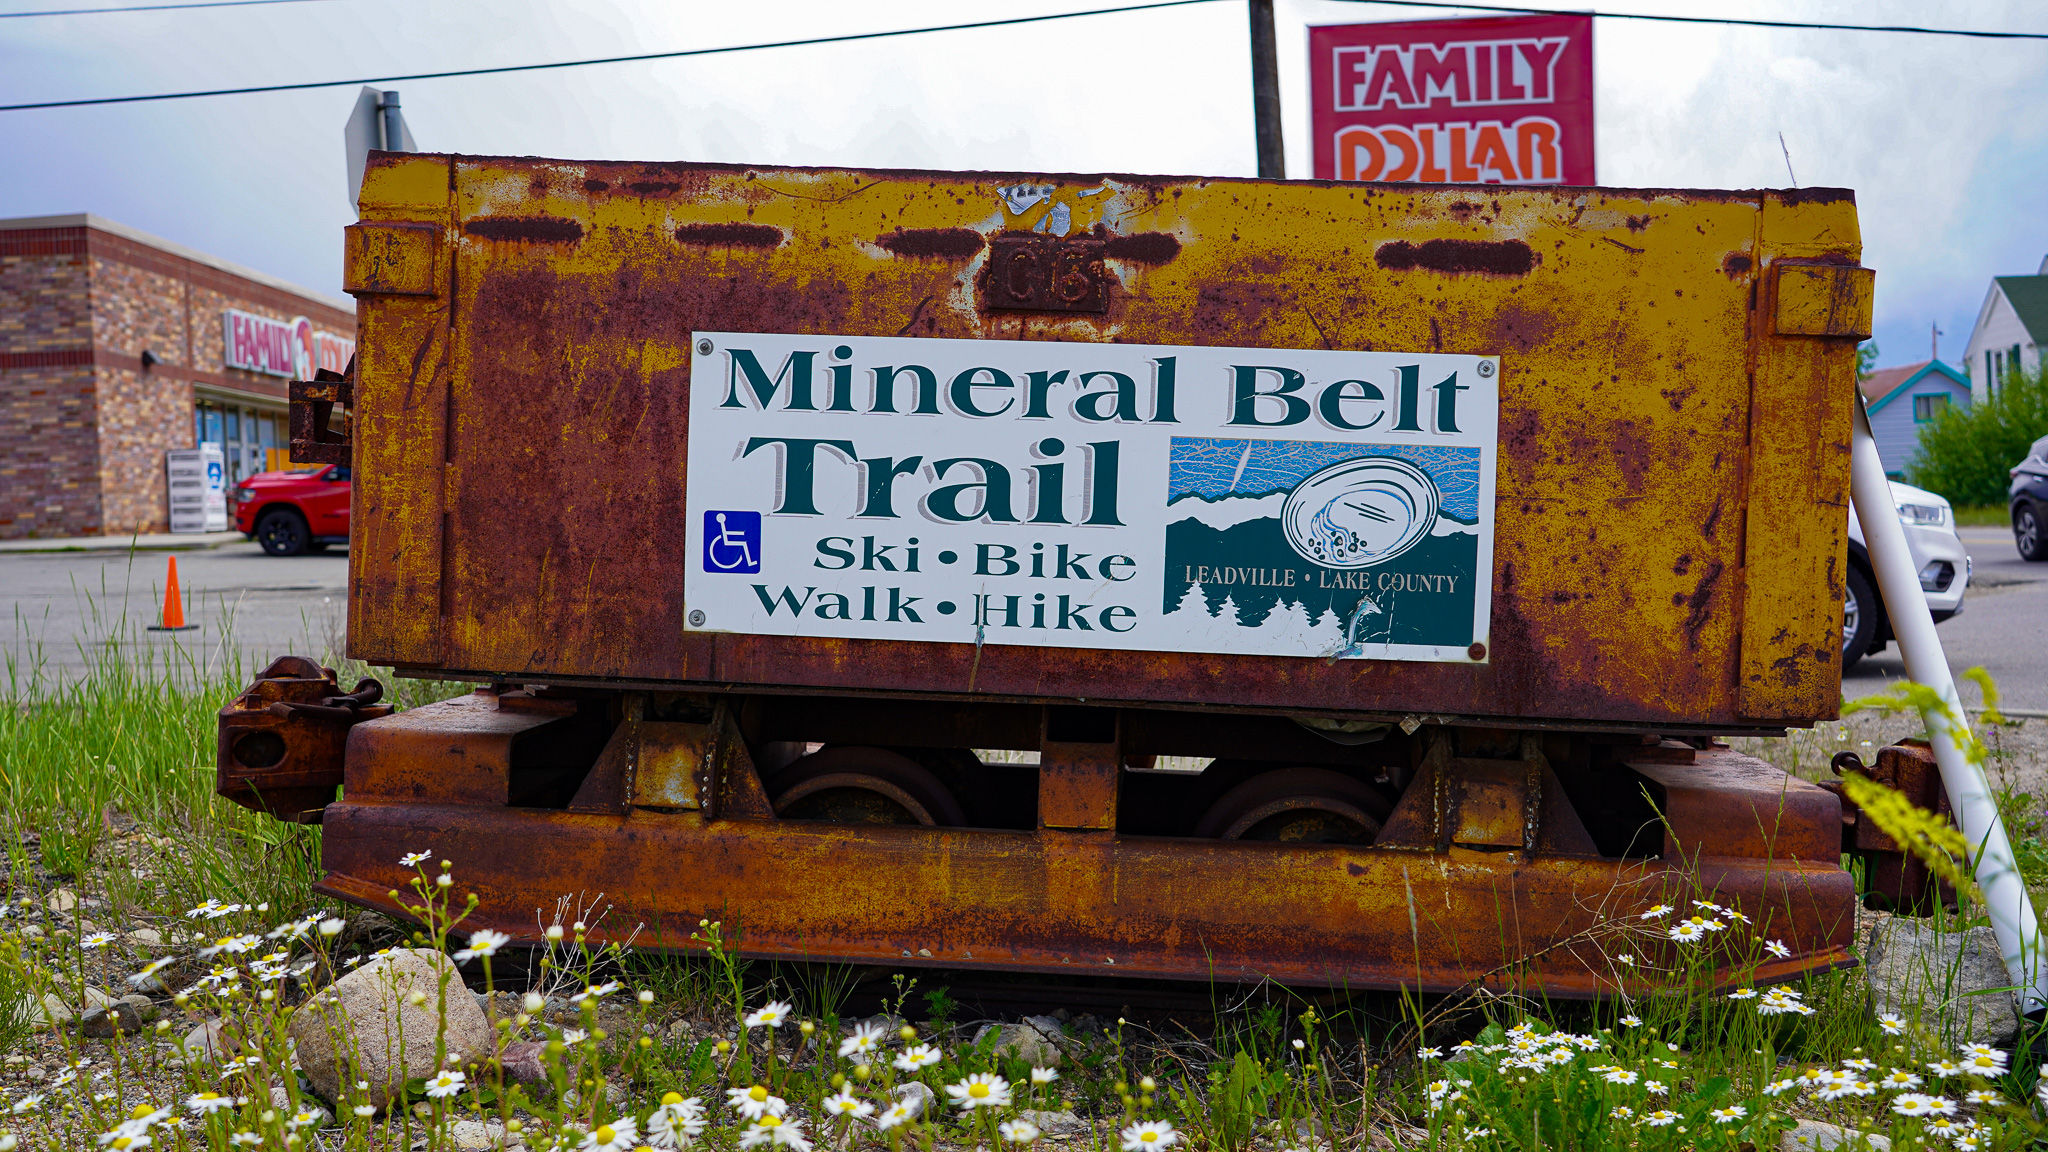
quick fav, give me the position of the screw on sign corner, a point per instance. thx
(1476, 651)
(696, 617)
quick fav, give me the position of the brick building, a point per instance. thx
(117, 346)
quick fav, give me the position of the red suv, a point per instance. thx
(291, 513)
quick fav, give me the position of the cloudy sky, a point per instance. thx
(1942, 138)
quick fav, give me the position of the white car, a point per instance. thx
(1938, 556)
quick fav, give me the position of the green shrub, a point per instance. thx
(1964, 453)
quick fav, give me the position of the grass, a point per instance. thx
(131, 740)
(1983, 516)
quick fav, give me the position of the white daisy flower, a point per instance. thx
(1779, 1087)
(1621, 1076)
(1660, 1119)
(1148, 1134)
(1654, 913)
(754, 1103)
(769, 1015)
(1631, 1021)
(1728, 1115)
(981, 1090)
(1743, 994)
(620, 1135)
(483, 943)
(412, 858)
(845, 1103)
(865, 1038)
(917, 1056)
(207, 1103)
(1777, 948)
(775, 1130)
(445, 1084)
(901, 1112)
(1985, 1064)
(1898, 1080)
(1044, 1075)
(1912, 1104)
(1018, 1131)
(1892, 1023)
(676, 1122)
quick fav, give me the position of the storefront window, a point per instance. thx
(243, 433)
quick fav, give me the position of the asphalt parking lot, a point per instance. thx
(61, 607)
(64, 608)
(2003, 627)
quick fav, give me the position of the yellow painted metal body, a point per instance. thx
(1676, 374)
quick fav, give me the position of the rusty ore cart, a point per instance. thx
(1063, 574)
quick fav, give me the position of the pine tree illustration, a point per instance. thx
(1195, 600)
(1226, 612)
(1329, 629)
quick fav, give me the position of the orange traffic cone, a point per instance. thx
(174, 606)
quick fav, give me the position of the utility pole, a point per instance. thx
(1934, 352)
(1266, 91)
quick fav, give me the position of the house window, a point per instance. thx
(2012, 360)
(1928, 406)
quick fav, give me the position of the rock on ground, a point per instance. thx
(1816, 1136)
(481, 1135)
(365, 1027)
(120, 1017)
(1022, 1041)
(921, 1094)
(1062, 1123)
(1948, 982)
(211, 1040)
(52, 1010)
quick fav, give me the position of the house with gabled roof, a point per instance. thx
(1904, 400)
(2011, 330)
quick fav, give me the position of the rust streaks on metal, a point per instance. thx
(732, 235)
(1143, 247)
(539, 229)
(933, 243)
(1495, 257)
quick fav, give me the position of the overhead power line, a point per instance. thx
(969, 26)
(151, 8)
(675, 55)
(1914, 29)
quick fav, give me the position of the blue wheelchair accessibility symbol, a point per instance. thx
(732, 541)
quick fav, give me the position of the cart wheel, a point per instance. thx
(1297, 806)
(851, 784)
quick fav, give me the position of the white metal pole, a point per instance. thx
(1969, 794)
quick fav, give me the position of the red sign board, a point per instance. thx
(1490, 101)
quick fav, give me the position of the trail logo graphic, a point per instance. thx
(1343, 549)
(1360, 512)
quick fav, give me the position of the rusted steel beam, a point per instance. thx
(1065, 902)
